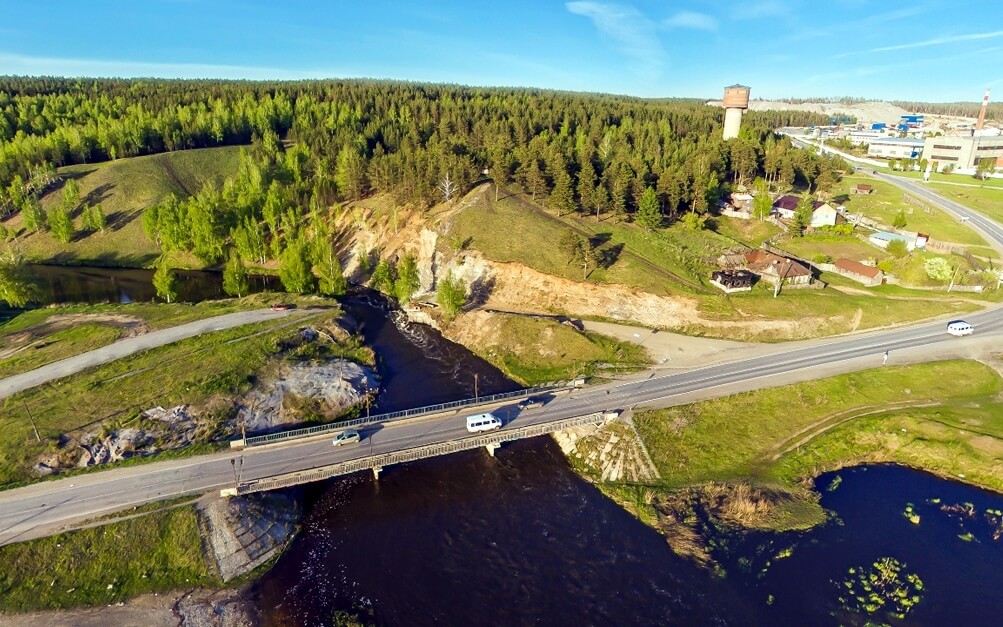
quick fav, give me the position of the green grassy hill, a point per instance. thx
(125, 188)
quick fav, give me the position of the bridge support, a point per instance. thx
(491, 448)
(376, 472)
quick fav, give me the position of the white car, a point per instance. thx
(348, 436)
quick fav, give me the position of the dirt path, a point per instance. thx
(165, 162)
(129, 346)
(20, 341)
(832, 421)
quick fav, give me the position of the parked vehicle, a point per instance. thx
(959, 328)
(483, 422)
(348, 436)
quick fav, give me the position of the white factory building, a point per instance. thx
(964, 153)
(895, 148)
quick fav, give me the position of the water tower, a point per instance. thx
(736, 100)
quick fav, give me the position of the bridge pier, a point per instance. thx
(491, 448)
(376, 472)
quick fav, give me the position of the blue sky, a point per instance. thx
(933, 50)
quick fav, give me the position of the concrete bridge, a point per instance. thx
(375, 463)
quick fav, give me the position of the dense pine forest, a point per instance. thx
(312, 145)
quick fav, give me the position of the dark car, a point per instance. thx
(283, 307)
(531, 402)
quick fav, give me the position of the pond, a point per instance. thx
(945, 533)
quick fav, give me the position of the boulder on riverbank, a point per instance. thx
(303, 391)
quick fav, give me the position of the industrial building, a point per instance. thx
(963, 153)
(895, 148)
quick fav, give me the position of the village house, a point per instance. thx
(741, 201)
(822, 213)
(786, 206)
(862, 273)
(774, 269)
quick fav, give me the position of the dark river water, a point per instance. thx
(520, 539)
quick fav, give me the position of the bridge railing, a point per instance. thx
(412, 454)
(294, 434)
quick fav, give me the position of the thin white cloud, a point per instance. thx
(632, 33)
(936, 41)
(14, 64)
(692, 19)
(756, 10)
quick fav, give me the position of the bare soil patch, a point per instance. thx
(130, 326)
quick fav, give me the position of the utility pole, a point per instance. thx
(32, 419)
(233, 465)
(475, 386)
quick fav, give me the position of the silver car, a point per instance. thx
(348, 436)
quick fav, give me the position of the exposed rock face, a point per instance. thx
(328, 388)
(242, 533)
(303, 389)
(165, 429)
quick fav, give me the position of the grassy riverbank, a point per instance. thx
(113, 396)
(157, 552)
(535, 350)
(749, 459)
(36, 337)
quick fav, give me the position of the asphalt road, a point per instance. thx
(123, 348)
(992, 231)
(43, 508)
(46, 507)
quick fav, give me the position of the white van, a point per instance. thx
(959, 328)
(483, 422)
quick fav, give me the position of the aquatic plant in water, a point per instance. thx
(884, 587)
(911, 514)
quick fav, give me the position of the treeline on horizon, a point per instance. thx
(314, 144)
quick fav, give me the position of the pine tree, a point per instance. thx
(407, 282)
(384, 277)
(649, 214)
(451, 294)
(562, 198)
(802, 214)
